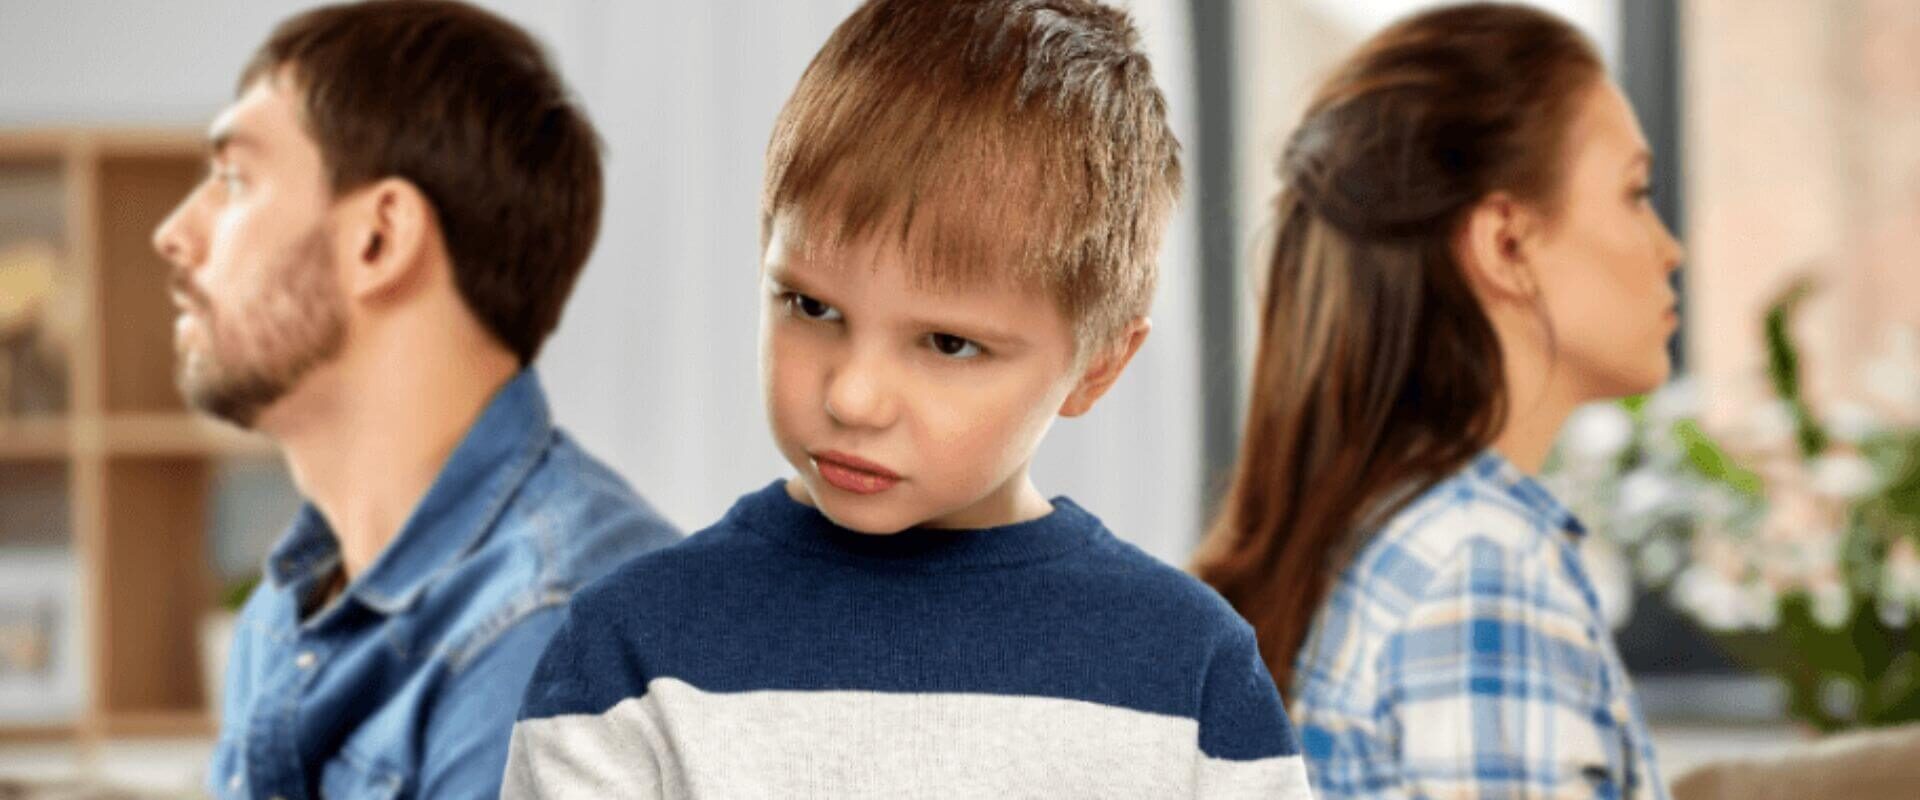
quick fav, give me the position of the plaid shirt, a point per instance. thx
(1462, 654)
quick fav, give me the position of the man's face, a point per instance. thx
(259, 302)
(900, 406)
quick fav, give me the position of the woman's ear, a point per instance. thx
(1493, 246)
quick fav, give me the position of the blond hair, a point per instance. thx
(1023, 140)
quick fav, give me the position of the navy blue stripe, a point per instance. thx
(730, 611)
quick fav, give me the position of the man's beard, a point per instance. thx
(247, 363)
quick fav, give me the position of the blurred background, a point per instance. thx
(1758, 516)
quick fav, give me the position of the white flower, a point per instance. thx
(1760, 606)
(1771, 425)
(1659, 559)
(1678, 400)
(1844, 476)
(1894, 376)
(1717, 502)
(1894, 613)
(1832, 604)
(1597, 432)
(1710, 598)
(1900, 577)
(1853, 422)
(1645, 491)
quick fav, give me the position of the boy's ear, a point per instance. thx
(1104, 367)
(387, 229)
(1492, 249)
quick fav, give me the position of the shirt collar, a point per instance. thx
(1494, 468)
(307, 550)
(491, 461)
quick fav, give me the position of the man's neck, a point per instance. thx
(366, 436)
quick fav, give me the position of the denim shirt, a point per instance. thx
(407, 682)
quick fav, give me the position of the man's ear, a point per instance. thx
(386, 229)
(1104, 367)
(1493, 248)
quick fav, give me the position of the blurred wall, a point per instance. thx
(1804, 137)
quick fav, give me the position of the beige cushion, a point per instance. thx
(1859, 766)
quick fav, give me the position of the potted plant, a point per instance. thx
(1794, 539)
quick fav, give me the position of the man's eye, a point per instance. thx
(952, 346)
(812, 309)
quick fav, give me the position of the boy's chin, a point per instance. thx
(876, 514)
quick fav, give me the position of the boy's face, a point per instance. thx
(902, 406)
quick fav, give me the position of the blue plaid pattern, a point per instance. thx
(1462, 654)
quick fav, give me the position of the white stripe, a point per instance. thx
(678, 741)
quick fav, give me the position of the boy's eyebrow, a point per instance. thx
(986, 333)
(779, 275)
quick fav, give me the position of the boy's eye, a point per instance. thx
(812, 309)
(952, 346)
(1642, 193)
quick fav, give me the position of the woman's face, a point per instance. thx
(1604, 263)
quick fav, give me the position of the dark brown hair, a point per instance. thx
(1018, 139)
(1378, 373)
(465, 106)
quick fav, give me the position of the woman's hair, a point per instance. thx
(1378, 372)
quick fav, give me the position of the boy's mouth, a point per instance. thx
(850, 473)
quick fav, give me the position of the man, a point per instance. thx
(399, 202)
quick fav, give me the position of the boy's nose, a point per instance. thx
(858, 395)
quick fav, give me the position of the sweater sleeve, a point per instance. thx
(1247, 747)
(577, 735)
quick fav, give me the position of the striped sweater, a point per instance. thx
(778, 655)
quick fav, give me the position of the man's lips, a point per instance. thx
(851, 473)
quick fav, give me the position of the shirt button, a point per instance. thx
(234, 782)
(304, 660)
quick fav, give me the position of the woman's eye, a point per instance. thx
(812, 309)
(952, 346)
(1642, 194)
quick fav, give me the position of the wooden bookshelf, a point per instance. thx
(138, 467)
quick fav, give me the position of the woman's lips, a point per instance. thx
(850, 473)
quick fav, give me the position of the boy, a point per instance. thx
(962, 211)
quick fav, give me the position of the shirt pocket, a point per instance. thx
(349, 776)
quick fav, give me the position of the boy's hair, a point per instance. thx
(466, 106)
(1023, 140)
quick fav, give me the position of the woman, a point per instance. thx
(1465, 253)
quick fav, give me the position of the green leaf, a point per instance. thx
(1712, 462)
(1783, 365)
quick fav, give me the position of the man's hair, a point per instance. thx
(465, 106)
(1023, 140)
